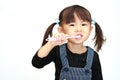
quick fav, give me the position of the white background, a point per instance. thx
(22, 25)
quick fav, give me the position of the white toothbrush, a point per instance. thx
(54, 39)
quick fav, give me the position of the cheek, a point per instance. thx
(66, 30)
(70, 31)
(88, 29)
(87, 32)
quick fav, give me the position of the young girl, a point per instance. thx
(73, 60)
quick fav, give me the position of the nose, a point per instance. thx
(78, 28)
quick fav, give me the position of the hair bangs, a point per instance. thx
(68, 14)
(69, 18)
(83, 14)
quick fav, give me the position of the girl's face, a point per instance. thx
(78, 28)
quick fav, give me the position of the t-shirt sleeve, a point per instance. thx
(96, 68)
(41, 62)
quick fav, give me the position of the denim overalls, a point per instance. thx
(75, 73)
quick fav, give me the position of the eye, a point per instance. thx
(84, 24)
(72, 24)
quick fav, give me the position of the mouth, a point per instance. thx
(79, 36)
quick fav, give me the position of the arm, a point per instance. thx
(43, 56)
(46, 53)
(60, 39)
(45, 50)
(41, 62)
(96, 68)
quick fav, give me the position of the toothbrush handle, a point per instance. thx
(54, 39)
(51, 39)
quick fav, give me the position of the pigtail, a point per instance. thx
(99, 38)
(47, 33)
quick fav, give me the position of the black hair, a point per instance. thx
(67, 16)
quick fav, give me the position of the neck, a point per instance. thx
(75, 48)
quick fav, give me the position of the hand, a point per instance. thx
(58, 39)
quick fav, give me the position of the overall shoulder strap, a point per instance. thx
(90, 55)
(63, 55)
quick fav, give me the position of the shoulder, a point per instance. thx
(91, 49)
(95, 54)
(55, 51)
(96, 59)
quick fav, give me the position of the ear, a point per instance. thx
(91, 28)
(60, 29)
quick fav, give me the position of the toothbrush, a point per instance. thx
(54, 39)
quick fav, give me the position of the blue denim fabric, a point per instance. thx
(75, 73)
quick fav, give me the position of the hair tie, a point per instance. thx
(93, 22)
(57, 21)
